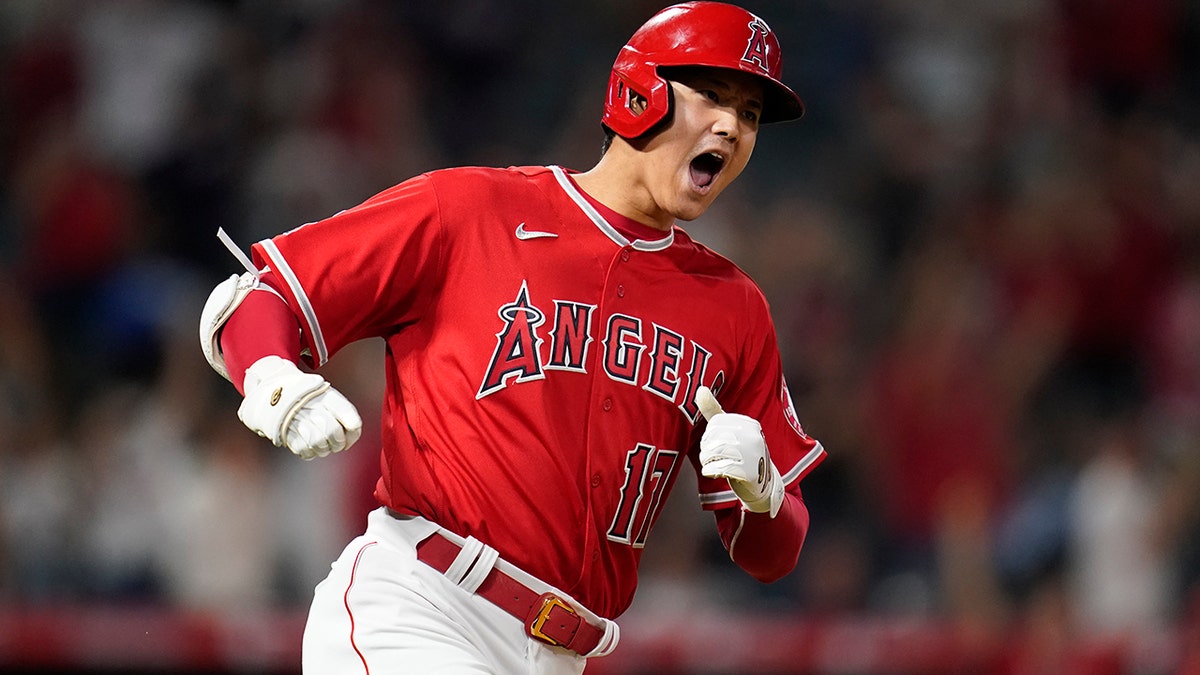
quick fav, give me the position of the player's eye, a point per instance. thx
(710, 95)
(750, 115)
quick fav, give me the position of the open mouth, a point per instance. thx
(704, 169)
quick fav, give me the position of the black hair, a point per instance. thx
(609, 135)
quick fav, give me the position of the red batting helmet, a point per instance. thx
(711, 34)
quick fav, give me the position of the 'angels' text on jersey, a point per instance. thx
(635, 352)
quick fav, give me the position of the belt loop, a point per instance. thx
(483, 566)
(458, 569)
(608, 642)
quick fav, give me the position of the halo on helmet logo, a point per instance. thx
(756, 47)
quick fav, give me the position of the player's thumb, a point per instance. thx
(706, 401)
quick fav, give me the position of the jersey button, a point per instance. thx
(625, 256)
(607, 405)
(596, 480)
(595, 555)
(620, 290)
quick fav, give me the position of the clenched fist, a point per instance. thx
(298, 410)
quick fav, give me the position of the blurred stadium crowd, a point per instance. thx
(981, 246)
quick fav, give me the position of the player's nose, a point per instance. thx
(725, 123)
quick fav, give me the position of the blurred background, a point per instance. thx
(981, 246)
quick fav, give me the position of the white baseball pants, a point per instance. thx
(383, 612)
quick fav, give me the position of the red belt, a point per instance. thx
(547, 617)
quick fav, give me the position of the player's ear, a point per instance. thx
(637, 103)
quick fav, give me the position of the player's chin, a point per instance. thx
(690, 208)
(693, 201)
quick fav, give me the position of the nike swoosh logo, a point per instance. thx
(524, 234)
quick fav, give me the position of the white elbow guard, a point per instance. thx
(222, 302)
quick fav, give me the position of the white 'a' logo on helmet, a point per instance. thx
(756, 47)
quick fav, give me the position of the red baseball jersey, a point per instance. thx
(541, 367)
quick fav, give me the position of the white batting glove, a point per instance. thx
(733, 447)
(298, 410)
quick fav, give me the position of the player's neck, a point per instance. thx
(618, 186)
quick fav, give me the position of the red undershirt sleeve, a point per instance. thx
(263, 325)
(766, 548)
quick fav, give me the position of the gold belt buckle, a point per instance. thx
(538, 621)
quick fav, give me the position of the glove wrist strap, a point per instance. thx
(772, 499)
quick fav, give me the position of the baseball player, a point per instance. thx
(556, 349)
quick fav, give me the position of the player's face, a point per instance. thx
(708, 141)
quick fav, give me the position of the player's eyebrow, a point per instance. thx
(726, 86)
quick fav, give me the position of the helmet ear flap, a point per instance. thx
(638, 97)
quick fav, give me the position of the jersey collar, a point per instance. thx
(598, 220)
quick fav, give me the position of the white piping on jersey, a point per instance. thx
(314, 327)
(610, 231)
(795, 472)
(737, 533)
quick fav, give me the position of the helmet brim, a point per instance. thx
(781, 104)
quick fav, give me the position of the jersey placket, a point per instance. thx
(609, 463)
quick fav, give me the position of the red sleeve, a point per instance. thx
(766, 548)
(362, 272)
(263, 325)
(757, 388)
